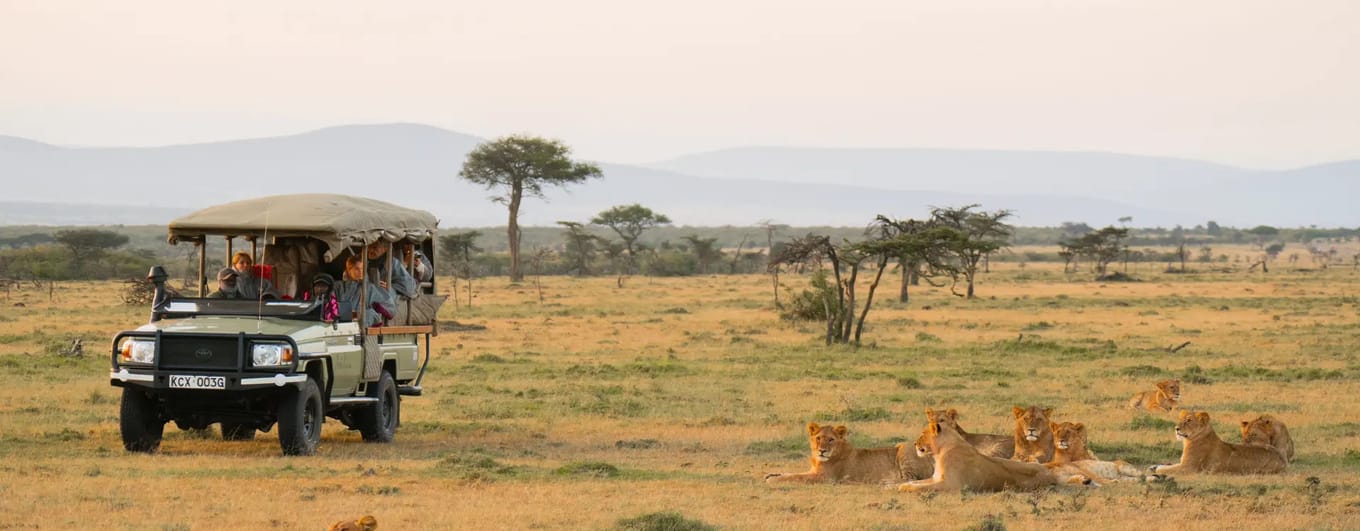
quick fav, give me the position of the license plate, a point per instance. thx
(179, 381)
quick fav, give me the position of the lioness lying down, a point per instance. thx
(835, 460)
(1033, 435)
(959, 466)
(1203, 451)
(1270, 431)
(1165, 397)
(1072, 458)
(992, 445)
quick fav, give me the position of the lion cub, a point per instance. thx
(1033, 435)
(1203, 451)
(993, 445)
(959, 466)
(1166, 397)
(1270, 431)
(835, 460)
(366, 523)
(1071, 457)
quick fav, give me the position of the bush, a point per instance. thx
(812, 303)
(668, 521)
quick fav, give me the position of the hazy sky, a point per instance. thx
(1263, 84)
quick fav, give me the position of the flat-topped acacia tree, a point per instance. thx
(517, 165)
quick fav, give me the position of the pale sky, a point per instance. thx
(1262, 84)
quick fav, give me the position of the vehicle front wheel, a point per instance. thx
(300, 417)
(232, 431)
(378, 422)
(139, 422)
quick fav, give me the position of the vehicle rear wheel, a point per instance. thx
(378, 422)
(300, 417)
(232, 431)
(139, 422)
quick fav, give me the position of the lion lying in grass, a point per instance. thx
(835, 460)
(1270, 431)
(1203, 451)
(959, 466)
(366, 523)
(1033, 435)
(1072, 458)
(1166, 397)
(990, 445)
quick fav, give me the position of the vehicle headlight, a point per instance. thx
(270, 354)
(137, 351)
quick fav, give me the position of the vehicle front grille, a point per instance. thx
(198, 352)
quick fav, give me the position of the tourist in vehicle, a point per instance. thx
(247, 283)
(416, 261)
(321, 290)
(381, 306)
(226, 285)
(402, 283)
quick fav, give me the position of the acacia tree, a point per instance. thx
(581, 246)
(887, 241)
(88, 244)
(980, 233)
(921, 249)
(1102, 247)
(520, 165)
(460, 246)
(705, 251)
(629, 222)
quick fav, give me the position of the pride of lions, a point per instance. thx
(1039, 453)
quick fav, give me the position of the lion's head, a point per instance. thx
(1030, 422)
(1069, 435)
(1192, 425)
(926, 442)
(1170, 388)
(946, 418)
(827, 442)
(1260, 431)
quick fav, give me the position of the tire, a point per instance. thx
(139, 422)
(300, 417)
(378, 422)
(232, 431)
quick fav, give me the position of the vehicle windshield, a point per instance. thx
(287, 309)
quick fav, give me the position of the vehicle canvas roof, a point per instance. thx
(338, 220)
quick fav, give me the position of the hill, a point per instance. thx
(417, 165)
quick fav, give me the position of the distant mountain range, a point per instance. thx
(417, 166)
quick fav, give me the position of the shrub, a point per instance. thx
(811, 304)
(667, 521)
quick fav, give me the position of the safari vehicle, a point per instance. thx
(251, 364)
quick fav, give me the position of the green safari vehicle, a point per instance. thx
(252, 364)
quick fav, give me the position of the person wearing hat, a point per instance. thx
(321, 290)
(226, 285)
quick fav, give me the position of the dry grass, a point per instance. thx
(677, 395)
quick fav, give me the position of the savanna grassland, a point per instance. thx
(595, 404)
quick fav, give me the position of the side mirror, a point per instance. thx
(158, 276)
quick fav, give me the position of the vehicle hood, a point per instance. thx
(232, 325)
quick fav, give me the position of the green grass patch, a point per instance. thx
(593, 469)
(663, 521)
(1148, 422)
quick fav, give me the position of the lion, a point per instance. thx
(1270, 431)
(1166, 397)
(958, 466)
(1203, 451)
(835, 460)
(1071, 456)
(1033, 436)
(366, 523)
(992, 445)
